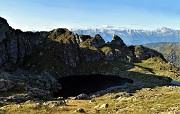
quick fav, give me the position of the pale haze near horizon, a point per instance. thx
(41, 15)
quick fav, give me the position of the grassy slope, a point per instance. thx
(166, 48)
(153, 97)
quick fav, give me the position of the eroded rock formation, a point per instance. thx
(48, 56)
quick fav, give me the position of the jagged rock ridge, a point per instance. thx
(18, 48)
(59, 52)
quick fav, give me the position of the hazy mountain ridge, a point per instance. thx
(135, 37)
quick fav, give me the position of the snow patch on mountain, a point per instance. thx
(132, 36)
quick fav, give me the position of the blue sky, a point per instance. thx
(49, 14)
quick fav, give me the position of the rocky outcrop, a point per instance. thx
(117, 41)
(39, 59)
(4, 27)
(18, 46)
(142, 53)
(117, 49)
(38, 85)
(97, 41)
(87, 41)
(43, 80)
(82, 97)
(83, 38)
(28, 49)
(5, 85)
(40, 93)
(89, 55)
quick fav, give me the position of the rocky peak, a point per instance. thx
(143, 53)
(117, 41)
(4, 27)
(164, 30)
(98, 41)
(3, 21)
(98, 37)
(61, 34)
(83, 38)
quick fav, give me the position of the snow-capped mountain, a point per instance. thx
(135, 37)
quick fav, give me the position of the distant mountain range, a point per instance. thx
(134, 37)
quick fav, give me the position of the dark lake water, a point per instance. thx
(75, 85)
(175, 83)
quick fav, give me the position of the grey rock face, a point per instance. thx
(67, 48)
(109, 55)
(18, 48)
(50, 83)
(91, 55)
(38, 85)
(117, 41)
(39, 93)
(143, 53)
(83, 38)
(42, 81)
(5, 85)
(4, 27)
(82, 97)
(98, 41)
(3, 54)
(54, 54)
(5, 75)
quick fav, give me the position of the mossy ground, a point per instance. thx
(155, 96)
